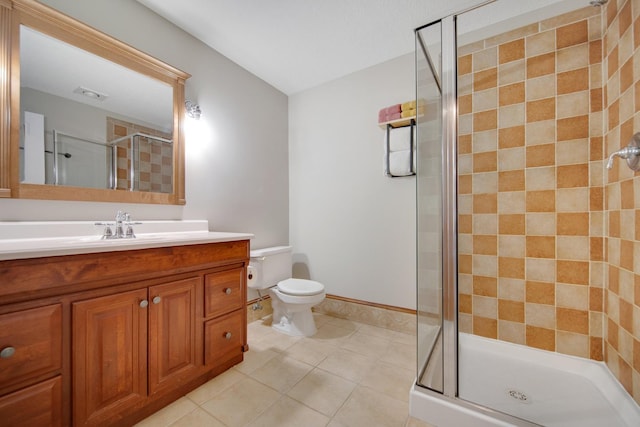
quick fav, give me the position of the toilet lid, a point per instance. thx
(300, 287)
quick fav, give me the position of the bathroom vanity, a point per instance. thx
(112, 333)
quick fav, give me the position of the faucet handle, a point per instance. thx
(107, 233)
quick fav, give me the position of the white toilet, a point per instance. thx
(292, 299)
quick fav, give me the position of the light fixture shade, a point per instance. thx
(193, 110)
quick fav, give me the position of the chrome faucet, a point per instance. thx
(122, 219)
(630, 153)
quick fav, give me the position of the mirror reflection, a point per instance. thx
(88, 122)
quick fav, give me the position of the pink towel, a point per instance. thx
(394, 109)
(383, 118)
(388, 111)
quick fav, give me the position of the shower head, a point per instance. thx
(598, 3)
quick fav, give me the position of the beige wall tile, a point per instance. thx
(573, 57)
(574, 104)
(511, 158)
(513, 245)
(540, 43)
(543, 132)
(573, 247)
(485, 141)
(512, 115)
(541, 224)
(485, 100)
(511, 202)
(541, 87)
(487, 58)
(511, 72)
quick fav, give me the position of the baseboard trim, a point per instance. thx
(372, 304)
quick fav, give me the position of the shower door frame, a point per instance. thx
(449, 327)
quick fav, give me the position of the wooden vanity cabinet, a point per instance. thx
(132, 346)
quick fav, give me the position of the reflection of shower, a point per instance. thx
(66, 155)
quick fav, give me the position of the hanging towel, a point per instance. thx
(399, 138)
(400, 163)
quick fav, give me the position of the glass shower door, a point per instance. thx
(429, 206)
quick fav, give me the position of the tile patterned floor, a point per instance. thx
(348, 375)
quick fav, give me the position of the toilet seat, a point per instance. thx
(300, 287)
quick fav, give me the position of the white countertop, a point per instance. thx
(76, 240)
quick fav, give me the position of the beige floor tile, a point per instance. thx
(407, 339)
(169, 414)
(333, 335)
(343, 323)
(275, 341)
(218, 384)
(322, 391)
(414, 422)
(347, 364)
(258, 328)
(281, 373)
(366, 407)
(286, 412)
(391, 380)
(320, 319)
(254, 359)
(376, 331)
(197, 418)
(310, 351)
(401, 355)
(241, 403)
(367, 345)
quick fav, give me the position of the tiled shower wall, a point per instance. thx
(621, 45)
(530, 185)
(543, 260)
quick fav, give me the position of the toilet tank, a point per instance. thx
(269, 266)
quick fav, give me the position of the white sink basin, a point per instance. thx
(33, 247)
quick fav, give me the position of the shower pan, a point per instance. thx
(519, 262)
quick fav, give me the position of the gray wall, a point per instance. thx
(236, 160)
(352, 228)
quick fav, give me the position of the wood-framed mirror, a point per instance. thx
(84, 116)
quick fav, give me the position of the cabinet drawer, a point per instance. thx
(38, 405)
(223, 338)
(223, 292)
(36, 339)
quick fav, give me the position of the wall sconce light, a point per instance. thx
(193, 110)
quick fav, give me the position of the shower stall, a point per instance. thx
(528, 289)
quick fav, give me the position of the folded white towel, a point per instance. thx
(399, 138)
(400, 163)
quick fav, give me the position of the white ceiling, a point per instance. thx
(298, 44)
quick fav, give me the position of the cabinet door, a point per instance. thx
(172, 339)
(223, 292)
(38, 405)
(109, 356)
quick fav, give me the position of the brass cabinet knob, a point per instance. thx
(7, 352)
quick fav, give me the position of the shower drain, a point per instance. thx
(518, 395)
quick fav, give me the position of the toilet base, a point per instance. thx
(297, 324)
(292, 313)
